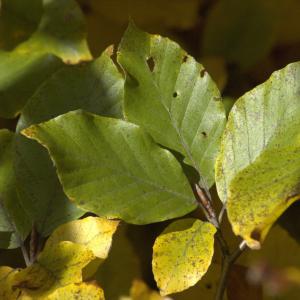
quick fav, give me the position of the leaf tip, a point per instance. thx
(29, 132)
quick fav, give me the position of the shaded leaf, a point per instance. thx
(97, 87)
(167, 89)
(17, 22)
(92, 232)
(182, 254)
(114, 169)
(57, 266)
(14, 222)
(140, 291)
(123, 261)
(20, 75)
(232, 29)
(107, 19)
(60, 33)
(258, 168)
(274, 251)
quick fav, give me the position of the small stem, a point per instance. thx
(221, 214)
(33, 247)
(25, 255)
(227, 263)
(222, 243)
(205, 203)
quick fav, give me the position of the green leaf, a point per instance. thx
(169, 94)
(258, 168)
(17, 22)
(20, 75)
(182, 254)
(97, 87)
(92, 232)
(14, 222)
(61, 31)
(60, 34)
(114, 169)
(242, 32)
(57, 266)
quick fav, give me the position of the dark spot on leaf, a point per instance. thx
(185, 58)
(208, 286)
(255, 234)
(202, 73)
(151, 63)
(175, 94)
(204, 134)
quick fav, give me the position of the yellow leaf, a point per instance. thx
(81, 291)
(205, 289)
(93, 232)
(6, 289)
(57, 266)
(182, 254)
(140, 291)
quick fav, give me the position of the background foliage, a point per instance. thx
(240, 44)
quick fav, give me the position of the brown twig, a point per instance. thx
(228, 261)
(206, 205)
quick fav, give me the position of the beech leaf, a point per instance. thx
(60, 34)
(182, 254)
(169, 94)
(92, 232)
(258, 168)
(57, 266)
(114, 169)
(15, 224)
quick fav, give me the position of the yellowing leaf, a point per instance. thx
(93, 232)
(140, 291)
(182, 254)
(205, 289)
(57, 266)
(258, 168)
(78, 291)
(7, 292)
